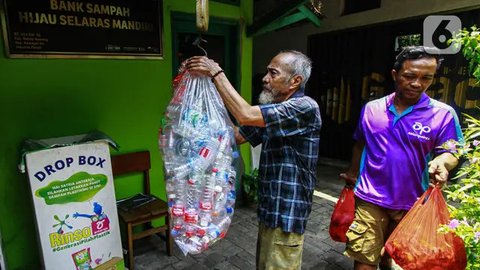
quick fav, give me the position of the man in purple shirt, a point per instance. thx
(397, 154)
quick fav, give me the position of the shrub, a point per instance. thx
(250, 185)
(463, 196)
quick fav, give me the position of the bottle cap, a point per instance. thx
(201, 232)
(190, 233)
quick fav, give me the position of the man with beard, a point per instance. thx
(397, 154)
(287, 124)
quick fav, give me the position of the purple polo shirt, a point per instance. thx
(398, 147)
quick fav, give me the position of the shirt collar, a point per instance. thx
(424, 101)
(299, 93)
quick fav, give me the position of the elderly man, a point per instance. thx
(287, 124)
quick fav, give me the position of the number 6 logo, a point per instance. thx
(437, 30)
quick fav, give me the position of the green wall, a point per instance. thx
(44, 98)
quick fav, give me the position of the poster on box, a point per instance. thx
(74, 200)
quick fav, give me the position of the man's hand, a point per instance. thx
(438, 168)
(202, 65)
(438, 172)
(349, 178)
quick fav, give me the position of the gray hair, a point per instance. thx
(299, 64)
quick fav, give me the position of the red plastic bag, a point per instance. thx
(343, 214)
(416, 243)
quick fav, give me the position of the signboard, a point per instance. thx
(83, 28)
(75, 207)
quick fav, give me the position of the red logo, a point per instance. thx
(204, 152)
(100, 226)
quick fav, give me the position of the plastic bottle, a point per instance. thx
(170, 185)
(192, 193)
(223, 226)
(179, 171)
(224, 137)
(166, 144)
(180, 190)
(231, 198)
(182, 147)
(207, 151)
(219, 201)
(204, 216)
(191, 219)
(206, 201)
(213, 232)
(177, 213)
(192, 121)
(194, 244)
(173, 111)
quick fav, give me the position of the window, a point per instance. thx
(407, 40)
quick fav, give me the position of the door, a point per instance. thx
(222, 43)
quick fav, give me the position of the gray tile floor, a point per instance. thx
(237, 249)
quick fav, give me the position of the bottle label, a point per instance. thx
(178, 210)
(206, 205)
(191, 217)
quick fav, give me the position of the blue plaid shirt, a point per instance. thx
(288, 161)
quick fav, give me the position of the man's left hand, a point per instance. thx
(438, 172)
(202, 65)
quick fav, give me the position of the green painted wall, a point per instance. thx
(44, 98)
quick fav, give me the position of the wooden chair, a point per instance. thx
(139, 162)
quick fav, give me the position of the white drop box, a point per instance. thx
(74, 201)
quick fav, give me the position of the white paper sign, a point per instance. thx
(75, 207)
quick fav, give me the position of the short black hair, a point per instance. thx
(417, 52)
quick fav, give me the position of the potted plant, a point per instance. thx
(250, 187)
(463, 196)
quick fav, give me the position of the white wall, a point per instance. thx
(267, 45)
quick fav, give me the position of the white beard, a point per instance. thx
(266, 97)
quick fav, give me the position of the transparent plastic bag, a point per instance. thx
(416, 243)
(198, 148)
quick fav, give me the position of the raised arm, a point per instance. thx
(244, 113)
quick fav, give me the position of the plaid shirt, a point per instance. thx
(288, 161)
